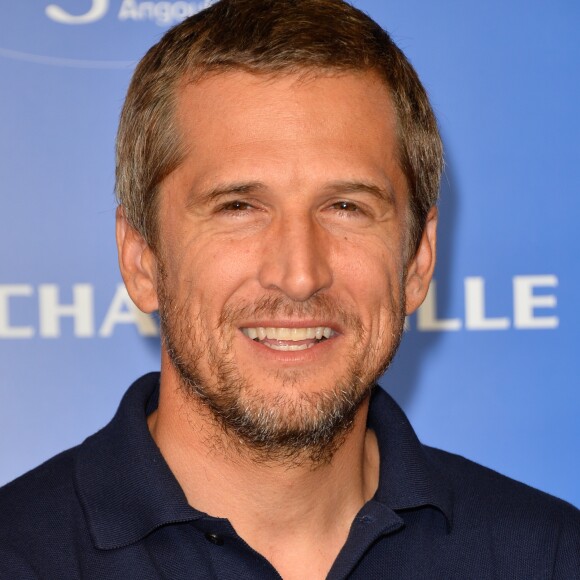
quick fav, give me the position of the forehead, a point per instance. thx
(285, 97)
(299, 125)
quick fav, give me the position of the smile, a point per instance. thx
(289, 339)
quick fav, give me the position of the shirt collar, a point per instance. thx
(410, 476)
(124, 485)
(127, 489)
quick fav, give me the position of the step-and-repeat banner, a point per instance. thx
(487, 368)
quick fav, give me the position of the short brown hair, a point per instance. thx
(271, 37)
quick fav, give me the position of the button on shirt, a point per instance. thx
(111, 509)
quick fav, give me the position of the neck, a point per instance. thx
(275, 507)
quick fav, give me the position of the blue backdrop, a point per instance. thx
(487, 368)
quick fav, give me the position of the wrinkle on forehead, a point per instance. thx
(281, 99)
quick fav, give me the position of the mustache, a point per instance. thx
(319, 306)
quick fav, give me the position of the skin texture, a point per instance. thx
(289, 209)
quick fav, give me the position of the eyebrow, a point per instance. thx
(385, 194)
(224, 189)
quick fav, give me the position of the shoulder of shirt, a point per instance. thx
(498, 500)
(51, 478)
(38, 511)
(521, 521)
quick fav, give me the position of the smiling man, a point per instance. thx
(279, 268)
(278, 165)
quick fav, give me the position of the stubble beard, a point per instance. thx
(291, 427)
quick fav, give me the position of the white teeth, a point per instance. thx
(288, 334)
(290, 346)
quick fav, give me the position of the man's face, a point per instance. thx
(281, 273)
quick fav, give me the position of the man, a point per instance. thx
(277, 172)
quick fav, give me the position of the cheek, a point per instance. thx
(211, 272)
(372, 275)
(375, 269)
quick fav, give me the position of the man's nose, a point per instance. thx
(296, 258)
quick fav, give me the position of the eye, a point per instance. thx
(346, 206)
(235, 206)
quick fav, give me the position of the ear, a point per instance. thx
(421, 265)
(137, 263)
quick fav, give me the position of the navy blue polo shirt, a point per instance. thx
(111, 509)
